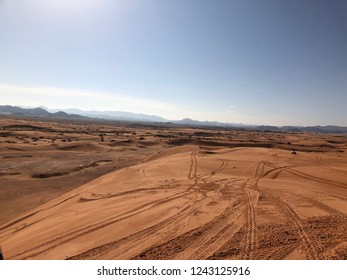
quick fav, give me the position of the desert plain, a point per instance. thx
(88, 189)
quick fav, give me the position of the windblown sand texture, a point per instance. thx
(184, 193)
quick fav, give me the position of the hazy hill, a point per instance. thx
(114, 115)
(36, 112)
(128, 116)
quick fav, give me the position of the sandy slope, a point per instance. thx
(191, 202)
(41, 160)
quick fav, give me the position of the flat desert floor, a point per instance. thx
(93, 190)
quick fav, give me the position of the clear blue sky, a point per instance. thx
(260, 62)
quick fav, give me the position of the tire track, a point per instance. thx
(219, 224)
(318, 160)
(260, 170)
(224, 164)
(333, 169)
(80, 231)
(260, 173)
(142, 173)
(317, 179)
(341, 197)
(10, 224)
(275, 157)
(250, 245)
(193, 166)
(290, 169)
(245, 171)
(169, 223)
(274, 168)
(311, 248)
(229, 231)
(275, 238)
(324, 207)
(83, 200)
(43, 198)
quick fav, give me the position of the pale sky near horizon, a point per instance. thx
(240, 61)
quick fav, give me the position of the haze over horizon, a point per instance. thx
(253, 62)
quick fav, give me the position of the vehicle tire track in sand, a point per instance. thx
(80, 231)
(260, 170)
(311, 248)
(275, 157)
(249, 167)
(193, 166)
(318, 160)
(290, 169)
(224, 164)
(253, 177)
(276, 238)
(324, 207)
(317, 179)
(8, 225)
(278, 169)
(83, 200)
(333, 169)
(142, 174)
(341, 197)
(220, 223)
(98, 252)
(228, 233)
(43, 198)
(274, 169)
(250, 244)
(258, 175)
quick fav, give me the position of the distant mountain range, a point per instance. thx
(128, 116)
(37, 112)
(110, 115)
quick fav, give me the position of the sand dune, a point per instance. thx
(102, 190)
(42, 159)
(196, 202)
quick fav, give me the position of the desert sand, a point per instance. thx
(100, 190)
